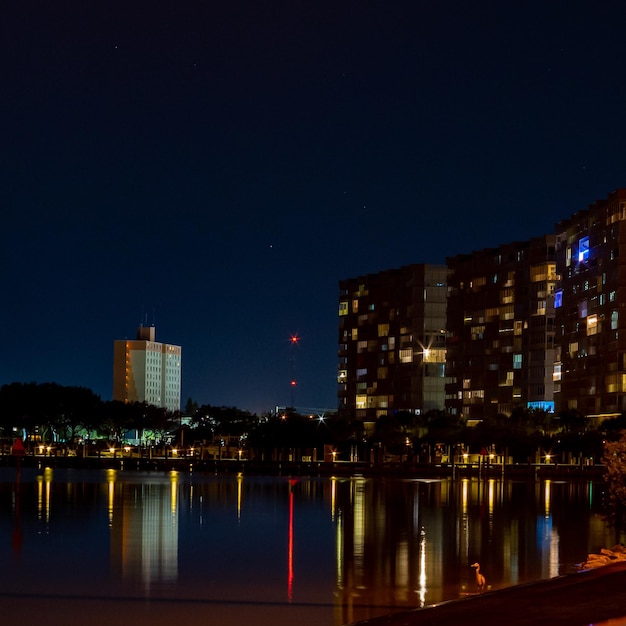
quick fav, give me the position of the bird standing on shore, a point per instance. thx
(480, 579)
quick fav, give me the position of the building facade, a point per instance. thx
(392, 349)
(590, 364)
(500, 323)
(145, 370)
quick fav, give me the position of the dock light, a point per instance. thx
(174, 451)
(112, 450)
(547, 458)
(126, 448)
(465, 455)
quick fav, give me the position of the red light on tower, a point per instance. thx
(294, 341)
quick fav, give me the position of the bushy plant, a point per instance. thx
(614, 461)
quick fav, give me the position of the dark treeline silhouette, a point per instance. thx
(47, 412)
(50, 412)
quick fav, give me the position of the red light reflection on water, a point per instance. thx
(290, 544)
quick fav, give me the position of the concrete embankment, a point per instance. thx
(590, 597)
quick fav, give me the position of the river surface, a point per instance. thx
(100, 546)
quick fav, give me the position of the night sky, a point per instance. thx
(215, 168)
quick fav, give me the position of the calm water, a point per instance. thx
(86, 547)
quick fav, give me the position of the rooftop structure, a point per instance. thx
(145, 370)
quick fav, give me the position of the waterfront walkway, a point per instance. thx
(593, 597)
(123, 461)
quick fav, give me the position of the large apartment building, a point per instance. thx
(590, 369)
(532, 324)
(500, 325)
(145, 370)
(392, 342)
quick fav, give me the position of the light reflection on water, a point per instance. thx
(155, 547)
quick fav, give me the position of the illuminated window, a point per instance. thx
(342, 376)
(343, 308)
(382, 373)
(361, 401)
(507, 296)
(478, 332)
(355, 334)
(435, 355)
(592, 324)
(582, 309)
(583, 249)
(406, 356)
(611, 383)
(558, 299)
(507, 312)
(517, 361)
(614, 320)
(538, 273)
(508, 380)
(361, 372)
(383, 330)
(382, 402)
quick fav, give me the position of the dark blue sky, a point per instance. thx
(219, 166)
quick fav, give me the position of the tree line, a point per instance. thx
(51, 412)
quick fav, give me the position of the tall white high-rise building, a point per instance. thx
(145, 370)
